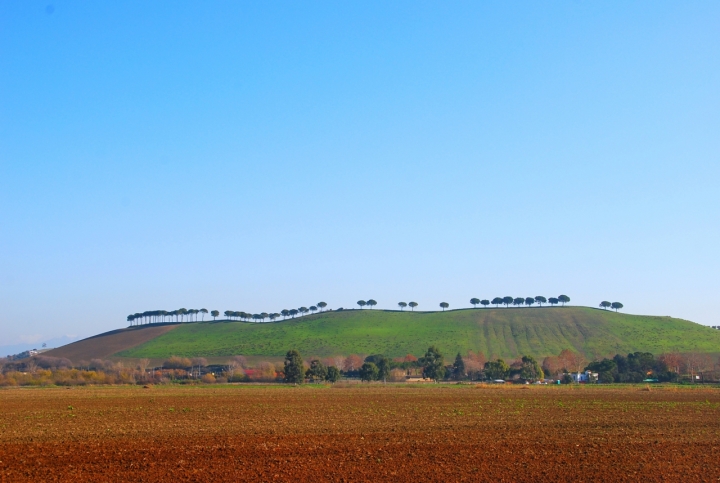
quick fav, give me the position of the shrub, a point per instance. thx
(177, 363)
(208, 379)
(397, 375)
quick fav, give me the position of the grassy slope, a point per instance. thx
(504, 332)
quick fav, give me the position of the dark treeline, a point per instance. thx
(191, 315)
(507, 301)
(160, 316)
(568, 367)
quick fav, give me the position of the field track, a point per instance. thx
(394, 433)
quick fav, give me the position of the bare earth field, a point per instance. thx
(104, 345)
(394, 433)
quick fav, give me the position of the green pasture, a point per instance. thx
(502, 332)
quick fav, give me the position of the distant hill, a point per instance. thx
(506, 333)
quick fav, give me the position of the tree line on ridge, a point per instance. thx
(191, 315)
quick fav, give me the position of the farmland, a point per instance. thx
(506, 333)
(379, 433)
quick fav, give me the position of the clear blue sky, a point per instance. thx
(265, 155)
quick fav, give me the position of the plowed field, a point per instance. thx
(376, 433)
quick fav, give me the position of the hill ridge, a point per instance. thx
(504, 332)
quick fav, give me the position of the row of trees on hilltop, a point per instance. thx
(191, 315)
(284, 313)
(520, 301)
(160, 316)
(614, 305)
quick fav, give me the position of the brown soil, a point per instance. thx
(105, 345)
(394, 433)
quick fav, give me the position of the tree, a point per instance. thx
(313, 308)
(540, 300)
(497, 369)
(228, 313)
(294, 367)
(215, 314)
(444, 305)
(529, 301)
(361, 303)
(402, 305)
(371, 303)
(383, 365)
(616, 306)
(605, 304)
(507, 301)
(303, 310)
(673, 360)
(518, 301)
(553, 301)
(352, 363)
(474, 302)
(285, 313)
(322, 305)
(433, 364)
(412, 305)
(198, 362)
(333, 374)
(273, 316)
(497, 301)
(531, 370)
(317, 371)
(607, 370)
(563, 299)
(458, 368)
(572, 361)
(484, 303)
(368, 372)
(203, 311)
(293, 312)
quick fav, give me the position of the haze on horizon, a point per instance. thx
(263, 156)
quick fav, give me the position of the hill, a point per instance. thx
(504, 332)
(102, 346)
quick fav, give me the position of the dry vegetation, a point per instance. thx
(370, 433)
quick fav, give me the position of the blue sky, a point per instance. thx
(258, 156)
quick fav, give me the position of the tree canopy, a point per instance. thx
(458, 368)
(496, 369)
(317, 371)
(294, 367)
(368, 372)
(433, 364)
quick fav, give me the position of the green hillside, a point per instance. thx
(503, 332)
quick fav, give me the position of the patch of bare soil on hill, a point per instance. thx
(393, 434)
(104, 345)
